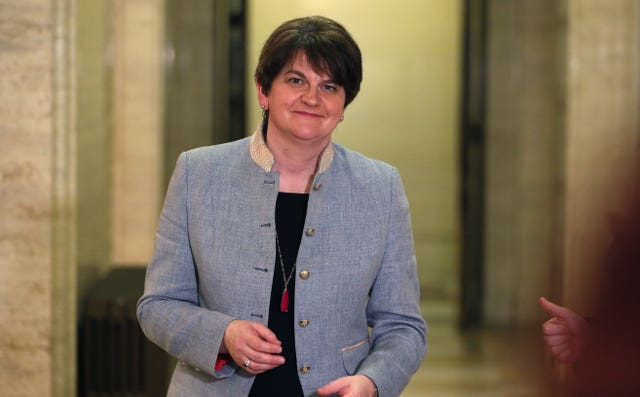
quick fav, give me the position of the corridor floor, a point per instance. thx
(479, 363)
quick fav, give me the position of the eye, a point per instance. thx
(330, 88)
(295, 80)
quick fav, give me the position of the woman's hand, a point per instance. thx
(350, 386)
(248, 340)
(564, 332)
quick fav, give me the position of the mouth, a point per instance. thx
(308, 114)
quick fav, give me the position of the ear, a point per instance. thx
(263, 98)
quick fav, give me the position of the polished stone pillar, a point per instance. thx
(37, 196)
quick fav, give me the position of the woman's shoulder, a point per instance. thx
(352, 161)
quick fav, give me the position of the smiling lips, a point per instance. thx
(307, 114)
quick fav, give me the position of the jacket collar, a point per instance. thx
(262, 156)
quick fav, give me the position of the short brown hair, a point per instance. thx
(327, 45)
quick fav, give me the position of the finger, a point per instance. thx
(265, 340)
(263, 353)
(566, 357)
(556, 340)
(237, 339)
(257, 368)
(555, 327)
(266, 334)
(553, 309)
(245, 337)
(560, 350)
(332, 388)
(265, 358)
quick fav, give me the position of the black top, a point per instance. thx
(291, 210)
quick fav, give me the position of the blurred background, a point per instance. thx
(513, 124)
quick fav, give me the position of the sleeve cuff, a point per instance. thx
(224, 366)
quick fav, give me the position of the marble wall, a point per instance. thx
(37, 324)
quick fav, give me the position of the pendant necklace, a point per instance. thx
(284, 300)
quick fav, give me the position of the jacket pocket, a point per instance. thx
(353, 355)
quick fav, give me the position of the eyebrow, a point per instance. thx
(300, 74)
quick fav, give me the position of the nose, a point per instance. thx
(310, 95)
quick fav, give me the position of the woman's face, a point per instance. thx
(303, 105)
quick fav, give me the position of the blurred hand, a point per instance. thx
(349, 386)
(248, 340)
(564, 333)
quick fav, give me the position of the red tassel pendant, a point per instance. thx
(284, 301)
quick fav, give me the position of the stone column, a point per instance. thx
(37, 198)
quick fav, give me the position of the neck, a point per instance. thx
(296, 162)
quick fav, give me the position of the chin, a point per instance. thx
(309, 133)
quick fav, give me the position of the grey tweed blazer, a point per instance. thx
(214, 256)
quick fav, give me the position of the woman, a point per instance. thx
(284, 263)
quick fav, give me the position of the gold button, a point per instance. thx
(305, 274)
(310, 232)
(317, 187)
(305, 369)
(303, 323)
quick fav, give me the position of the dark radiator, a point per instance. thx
(115, 359)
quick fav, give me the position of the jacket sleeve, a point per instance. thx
(398, 331)
(169, 312)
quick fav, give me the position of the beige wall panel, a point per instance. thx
(137, 137)
(94, 124)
